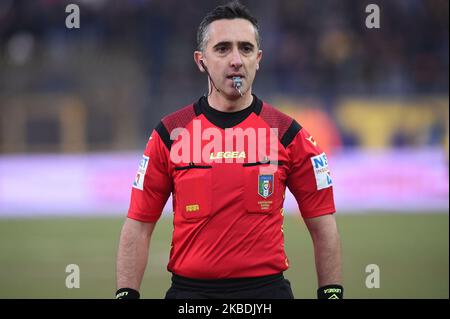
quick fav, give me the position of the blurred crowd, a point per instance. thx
(136, 55)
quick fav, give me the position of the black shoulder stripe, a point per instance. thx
(164, 135)
(291, 132)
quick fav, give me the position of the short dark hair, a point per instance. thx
(231, 10)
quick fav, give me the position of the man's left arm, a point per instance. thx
(327, 253)
(310, 182)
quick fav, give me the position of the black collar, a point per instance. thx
(226, 119)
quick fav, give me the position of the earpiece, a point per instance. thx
(205, 69)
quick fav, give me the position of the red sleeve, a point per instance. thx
(309, 179)
(152, 185)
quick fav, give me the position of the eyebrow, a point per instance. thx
(228, 43)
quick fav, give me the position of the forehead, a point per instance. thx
(235, 30)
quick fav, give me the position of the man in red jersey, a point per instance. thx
(227, 159)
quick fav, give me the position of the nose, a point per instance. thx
(236, 61)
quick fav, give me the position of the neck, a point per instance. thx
(223, 103)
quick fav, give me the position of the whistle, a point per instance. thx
(237, 83)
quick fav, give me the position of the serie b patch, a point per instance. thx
(321, 171)
(265, 185)
(140, 175)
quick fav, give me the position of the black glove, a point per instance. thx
(127, 293)
(330, 292)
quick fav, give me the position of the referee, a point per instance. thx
(227, 160)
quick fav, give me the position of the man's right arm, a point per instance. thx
(133, 253)
(151, 189)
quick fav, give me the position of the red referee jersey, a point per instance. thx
(228, 173)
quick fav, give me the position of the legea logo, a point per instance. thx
(219, 155)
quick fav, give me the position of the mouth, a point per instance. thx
(235, 75)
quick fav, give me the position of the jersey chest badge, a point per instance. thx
(265, 185)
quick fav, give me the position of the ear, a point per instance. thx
(258, 59)
(198, 58)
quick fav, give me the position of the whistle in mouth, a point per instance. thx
(237, 83)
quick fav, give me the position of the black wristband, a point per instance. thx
(127, 293)
(330, 292)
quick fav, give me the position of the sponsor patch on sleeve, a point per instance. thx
(140, 175)
(321, 171)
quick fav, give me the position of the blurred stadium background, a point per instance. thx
(77, 107)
